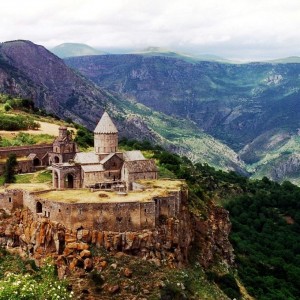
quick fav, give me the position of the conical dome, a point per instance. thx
(106, 125)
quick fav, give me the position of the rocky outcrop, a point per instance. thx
(169, 244)
(287, 166)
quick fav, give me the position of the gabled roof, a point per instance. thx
(92, 168)
(140, 166)
(86, 158)
(108, 157)
(133, 155)
(106, 125)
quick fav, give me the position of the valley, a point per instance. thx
(237, 104)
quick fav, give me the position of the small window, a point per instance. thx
(59, 210)
(9, 199)
(145, 210)
(48, 214)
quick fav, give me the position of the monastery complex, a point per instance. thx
(104, 190)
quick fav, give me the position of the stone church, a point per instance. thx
(104, 168)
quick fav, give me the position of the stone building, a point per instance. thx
(104, 168)
(63, 148)
(104, 190)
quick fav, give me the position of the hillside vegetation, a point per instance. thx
(23, 124)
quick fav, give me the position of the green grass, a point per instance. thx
(37, 177)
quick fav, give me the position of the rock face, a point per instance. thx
(211, 237)
(169, 244)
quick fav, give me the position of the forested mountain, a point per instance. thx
(254, 108)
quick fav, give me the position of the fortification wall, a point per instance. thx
(107, 216)
(120, 217)
(20, 151)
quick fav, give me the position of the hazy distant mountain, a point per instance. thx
(239, 104)
(158, 51)
(291, 59)
(74, 49)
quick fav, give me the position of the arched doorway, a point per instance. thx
(56, 159)
(39, 207)
(36, 162)
(69, 181)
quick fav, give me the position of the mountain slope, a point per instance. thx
(31, 71)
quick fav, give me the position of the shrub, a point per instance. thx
(9, 169)
(7, 107)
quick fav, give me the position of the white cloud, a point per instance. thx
(224, 27)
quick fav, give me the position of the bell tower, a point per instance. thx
(105, 136)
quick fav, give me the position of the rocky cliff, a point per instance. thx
(169, 245)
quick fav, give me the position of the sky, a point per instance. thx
(234, 29)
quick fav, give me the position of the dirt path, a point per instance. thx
(47, 128)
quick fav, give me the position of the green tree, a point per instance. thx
(9, 169)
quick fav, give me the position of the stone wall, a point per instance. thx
(129, 178)
(24, 166)
(20, 151)
(119, 217)
(122, 216)
(90, 178)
